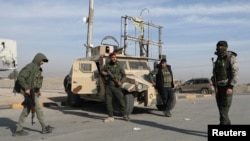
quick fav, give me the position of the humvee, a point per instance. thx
(8, 56)
(85, 81)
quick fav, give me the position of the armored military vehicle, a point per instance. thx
(8, 55)
(85, 82)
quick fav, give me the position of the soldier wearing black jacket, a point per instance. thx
(164, 84)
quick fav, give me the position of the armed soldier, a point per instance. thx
(29, 82)
(225, 76)
(114, 77)
(164, 84)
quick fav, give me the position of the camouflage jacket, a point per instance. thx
(30, 76)
(231, 74)
(117, 72)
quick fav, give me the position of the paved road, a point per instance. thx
(189, 122)
(9, 100)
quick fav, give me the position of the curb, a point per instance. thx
(193, 96)
(11, 106)
(14, 106)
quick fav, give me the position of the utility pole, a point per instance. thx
(90, 28)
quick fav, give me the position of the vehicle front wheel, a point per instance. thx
(178, 90)
(129, 104)
(162, 107)
(204, 91)
(73, 100)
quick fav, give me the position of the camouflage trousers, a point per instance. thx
(223, 103)
(24, 115)
(114, 91)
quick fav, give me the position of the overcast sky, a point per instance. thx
(191, 29)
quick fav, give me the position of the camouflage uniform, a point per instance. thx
(112, 89)
(225, 77)
(164, 85)
(30, 77)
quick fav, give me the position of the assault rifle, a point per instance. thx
(29, 102)
(111, 76)
(214, 76)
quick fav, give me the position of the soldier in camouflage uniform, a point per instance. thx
(225, 76)
(114, 77)
(30, 77)
(164, 84)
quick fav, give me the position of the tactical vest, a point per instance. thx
(167, 77)
(222, 67)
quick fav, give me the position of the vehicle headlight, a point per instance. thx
(139, 86)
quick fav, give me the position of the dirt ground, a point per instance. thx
(48, 83)
(56, 83)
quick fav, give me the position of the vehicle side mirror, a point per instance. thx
(95, 75)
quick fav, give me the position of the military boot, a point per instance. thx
(126, 117)
(20, 133)
(167, 113)
(47, 129)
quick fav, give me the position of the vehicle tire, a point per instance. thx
(129, 105)
(162, 107)
(73, 100)
(174, 103)
(179, 90)
(129, 102)
(204, 91)
(13, 75)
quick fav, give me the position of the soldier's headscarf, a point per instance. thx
(221, 51)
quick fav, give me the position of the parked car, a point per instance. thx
(196, 85)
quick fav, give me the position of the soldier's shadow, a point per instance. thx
(11, 125)
(8, 124)
(171, 128)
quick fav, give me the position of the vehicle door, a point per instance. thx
(85, 78)
(187, 86)
(196, 85)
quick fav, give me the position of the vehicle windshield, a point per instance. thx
(189, 82)
(138, 65)
(123, 64)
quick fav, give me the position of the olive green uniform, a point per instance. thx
(225, 76)
(112, 89)
(30, 77)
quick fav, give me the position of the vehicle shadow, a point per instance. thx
(89, 109)
(166, 127)
(94, 109)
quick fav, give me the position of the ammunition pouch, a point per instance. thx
(36, 90)
(222, 82)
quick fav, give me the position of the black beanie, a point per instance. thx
(222, 43)
(163, 60)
